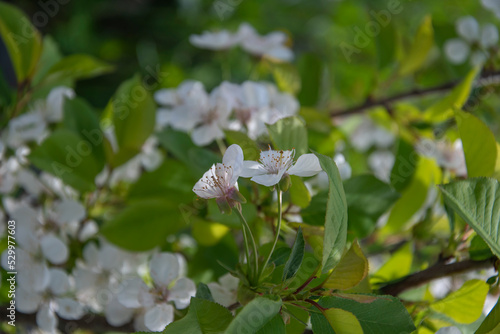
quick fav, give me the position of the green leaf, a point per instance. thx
(315, 213)
(398, 265)
(203, 317)
(134, 113)
(254, 316)
(80, 118)
(479, 249)
(376, 314)
(144, 225)
(477, 201)
(76, 67)
(414, 195)
(203, 292)
(466, 304)
(404, 165)
(385, 43)
(275, 326)
(22, 41)
(367, 198)
(491, 324)
(287, 77)
(351, 270)
(342, 321)
(336, 216)
(480, 147)
(299, 194)
(444, 108)
(320, 324)
(289, 133)
(296, 257)
(69, 157)
(422, 44)
(249, 146)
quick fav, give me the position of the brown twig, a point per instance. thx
(438, 270)
(92, 322)
(370, 102)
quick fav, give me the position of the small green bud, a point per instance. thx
(285, 182)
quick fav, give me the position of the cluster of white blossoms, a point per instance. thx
(475, 42)
(55, 281)
(272, 45)
(247, 107)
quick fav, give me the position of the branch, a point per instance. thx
(438, 270)
(370, 103)
(90, 321)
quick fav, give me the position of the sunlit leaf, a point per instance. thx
(289, 133)
(422, 44)
(350, 271)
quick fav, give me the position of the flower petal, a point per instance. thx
(456, 50)
(164, 268)
(468, 28)
(69, 309)
(182, 292)
(54, 249)
(234, 157)
(252, 168)
(306, 165)
(207, 133)
(117, 314)
(158, 317)
(267, 179)
(489, 35)
(46, 319)
(59, 281)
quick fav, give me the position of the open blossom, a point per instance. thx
(219, 40)
(474, 41)
(273, 165)
(221, 180)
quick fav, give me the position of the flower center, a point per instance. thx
(217, 180)
(276, 161)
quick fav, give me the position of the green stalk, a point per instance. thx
(254, 245)
(278, 228)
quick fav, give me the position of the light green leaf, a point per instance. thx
(22, 41)
(466, 304)
(444, 108)
(343, 322)
(254, 316)
(422, 44)
(134, 113)
(296, 257)
(69, 157)
(414, 195)
(368, 198)
(491, 324)
(398, 265)
(320, 324)
(336, 216)
(144, 225)
(249, 146)
(287, 77)
(477, 201)
(299, 194)
(350, 271)
(203, 317)
(289, 133)
(76, 67)
(376, 314)
(480, 147)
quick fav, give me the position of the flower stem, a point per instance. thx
(254, 245)
(278, 228)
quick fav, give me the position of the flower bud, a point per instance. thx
(285, 182)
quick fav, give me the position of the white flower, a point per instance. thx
(493, 5)
(225, 291)
(52, 109)
(274, 165)
(220, 40)
(221, 180)
(345, 169)
(369, 134)
(27, 127)
(447, 155)
(381, 163)
(271, 46)
(475, 41)
(166, 270)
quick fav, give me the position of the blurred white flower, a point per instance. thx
(27, 127)
(475, 42)
(52, 109)
(273, 165)
(225, 290)
(381, 163)
(169, 286)
(368, 134)
(219, 40)
(271, 46)
(492, 5)
(447, 155)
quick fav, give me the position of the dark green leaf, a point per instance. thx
(289, 133)
(203, 292)
(249, 146)
(406, 160)
(76, 67)
(203, 317)
(254, 316)
(275, 326)
(296, 257)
